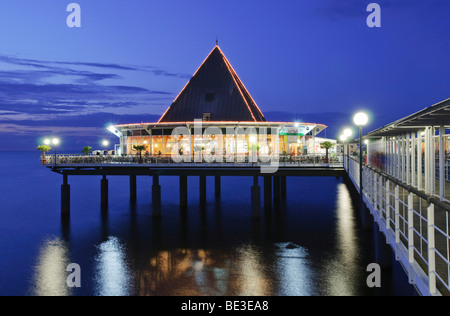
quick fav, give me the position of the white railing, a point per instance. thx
(241, 160)
(415, 225)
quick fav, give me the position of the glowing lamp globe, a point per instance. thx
(348, 132)
(361, 119)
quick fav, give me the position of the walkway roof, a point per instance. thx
(436, 115)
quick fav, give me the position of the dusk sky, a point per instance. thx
(309, 60)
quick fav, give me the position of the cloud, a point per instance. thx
(51, 66)
(19, 129)
(39, 90)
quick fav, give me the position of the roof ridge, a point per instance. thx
(242, 106)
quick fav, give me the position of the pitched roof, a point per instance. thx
(214, 89)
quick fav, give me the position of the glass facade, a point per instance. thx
(225, 141)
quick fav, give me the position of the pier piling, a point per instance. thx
(104, 192)
(65, 197)
(276, 189)
(267, 192)
(283, 187)
(256, 199)
(218, 186)
(133, 189)
(156, 197)
(183, 192)
(202, 189)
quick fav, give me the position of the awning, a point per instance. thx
(436, 115)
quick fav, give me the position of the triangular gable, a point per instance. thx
(215, 89)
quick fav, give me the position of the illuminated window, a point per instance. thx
(206, 117)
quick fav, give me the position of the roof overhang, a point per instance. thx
(149, 126)
(437, 115)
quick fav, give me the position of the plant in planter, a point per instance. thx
(87, 150)
(139, 149)
(327, 146)
(255, 152)
(44, 149)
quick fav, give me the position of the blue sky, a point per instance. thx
(308, 60)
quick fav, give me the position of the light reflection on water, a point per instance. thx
(294, 252)
(342, 266)
(113, 276)
(50, 273)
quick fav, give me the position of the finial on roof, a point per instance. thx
(217, 41)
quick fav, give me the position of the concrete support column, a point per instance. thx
(156, 197)
(218, 185)
(104, 192)
(133, 189)
(65, 197)
(276, 188)
(256, 199)
(267, 192)
(283, 187)
(183, 192)
(202, 189)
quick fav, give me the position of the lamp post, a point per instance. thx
(343, 139)
(348, 133)
(105, 144)
(361, 119)
(55, 142)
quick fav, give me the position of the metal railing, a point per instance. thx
(242, 160)
(416, 226)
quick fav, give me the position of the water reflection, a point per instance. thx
(343, 266)
(198, 272)
(50, 277)
(293, 270)
(112, 273)
(249, 276)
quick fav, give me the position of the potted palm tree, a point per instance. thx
(44, 149)
(140, 149)
(87, 150)
(326, 146)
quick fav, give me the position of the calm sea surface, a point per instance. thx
(311, 244)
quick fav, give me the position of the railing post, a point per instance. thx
(408, 159)
(431, 250)
(388, 205)
(380, 194)
(374, 189)
(442, 163)
(397, 214)
(411, 235)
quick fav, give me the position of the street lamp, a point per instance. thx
(361, 119)
(343, 139)
(348, 132)
(55, 142)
